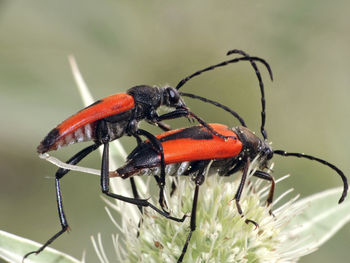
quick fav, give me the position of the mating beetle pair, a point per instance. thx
(194, 149)
(119, 114)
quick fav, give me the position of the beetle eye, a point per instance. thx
(173, 95)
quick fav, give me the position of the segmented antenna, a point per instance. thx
(261, 85)
(235, 114)
(246, 57)
(203, 123)
(222, 64)
(301, 155)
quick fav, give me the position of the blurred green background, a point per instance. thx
(119, 44)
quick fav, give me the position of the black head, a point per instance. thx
(254, 146)
(266, 154)
(172, 98)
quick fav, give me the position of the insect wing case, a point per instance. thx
(184, 145)
(81, 126)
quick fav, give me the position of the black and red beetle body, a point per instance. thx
(195, 144)
(118, 115)
(121, 112)
(193, 149)
(190, 151)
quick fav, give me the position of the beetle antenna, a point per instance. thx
(301, 155)
(245, 57)
(207, 126)
(261, 85)
(235, 114)
(224, 63)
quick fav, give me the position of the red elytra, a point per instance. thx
(103, 108)
(82, 125)
(190, 149)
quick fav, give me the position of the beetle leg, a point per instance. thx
(135, 193)
(199, 179)
(239, 192)
(173, 186)
(133, 131)
(261, 175)
(237, 166)
(269, 177)
(153, 117)
(138, 139)
(59, 174)
(77, 158)
(63, 221)
(160, 181)
(138, 202)
(163, 126)
(104, 137)
(180, 112)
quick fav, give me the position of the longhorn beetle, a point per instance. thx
(189, 151)
(112, 117)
